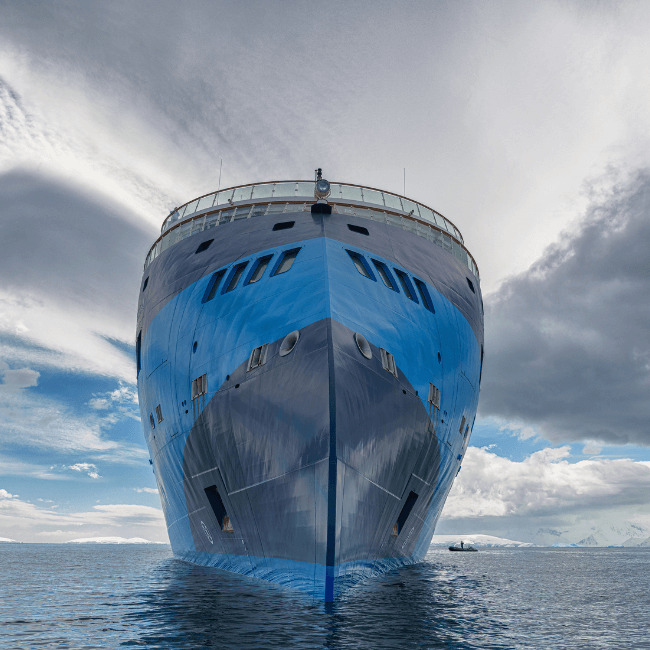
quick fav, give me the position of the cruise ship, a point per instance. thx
(309, 358)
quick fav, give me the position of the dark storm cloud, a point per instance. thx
(568, 341)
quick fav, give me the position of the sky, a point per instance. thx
(524, 123)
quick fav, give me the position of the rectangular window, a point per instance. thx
(361, 265)
(462, 425)
(424, 294)
(159, 414)
(388, 362)
(151, 422)
(213, 285)
(258, 357)
(199, 386)
(407, 287)
(385, 274)
(286, 261)
(259, 268)
(216, 503)
(236, 274)
(434, 396)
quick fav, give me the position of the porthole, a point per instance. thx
(470, 284)
(363, 345)
(289, 343)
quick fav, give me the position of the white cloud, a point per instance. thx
(24, 521)
(547, 499)
(544, 482)
(147, 490)
(32, 420)
(20, 378)
(88, 468)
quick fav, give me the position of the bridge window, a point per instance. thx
(259, 268)
(424, 294)
(235, 275)
(286, 261)
(385, 275)
(406, 285)
(361, 264)
(213, 285)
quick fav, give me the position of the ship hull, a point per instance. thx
(330, 467)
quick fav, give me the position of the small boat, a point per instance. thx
(464, 549)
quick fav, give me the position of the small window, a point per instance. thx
(258, 357)
(361, 265)
(462, 425)
(213, 285)
(359, 229)
(388, 362)
(286, 261)
(159, 414)
(406, 511)
(406, 285)
(203, 246)
(424, 294)
(385, 275)
(199, 386)
(235, 275)
(284, 225)
(146, 282)
(216, 503)
(434, 396)
(259, 268)
(151, 422)
(471, 285)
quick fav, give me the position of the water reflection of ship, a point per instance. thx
(330, 340)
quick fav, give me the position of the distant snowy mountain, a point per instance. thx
(111, 540)
(6, 539)
(476, 539)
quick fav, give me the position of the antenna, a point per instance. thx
(404, 182)
(319, 174)
(220, 166)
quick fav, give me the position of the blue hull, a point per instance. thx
(319, 467)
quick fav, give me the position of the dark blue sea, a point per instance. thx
(65, 596)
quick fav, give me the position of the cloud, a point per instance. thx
(89, 468)
(147, 490)
(567, 346)
(546, 496)
(71, 267)
(20, 377)
(26, 520)
(35, 421)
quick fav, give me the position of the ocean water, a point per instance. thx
(68, 596)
